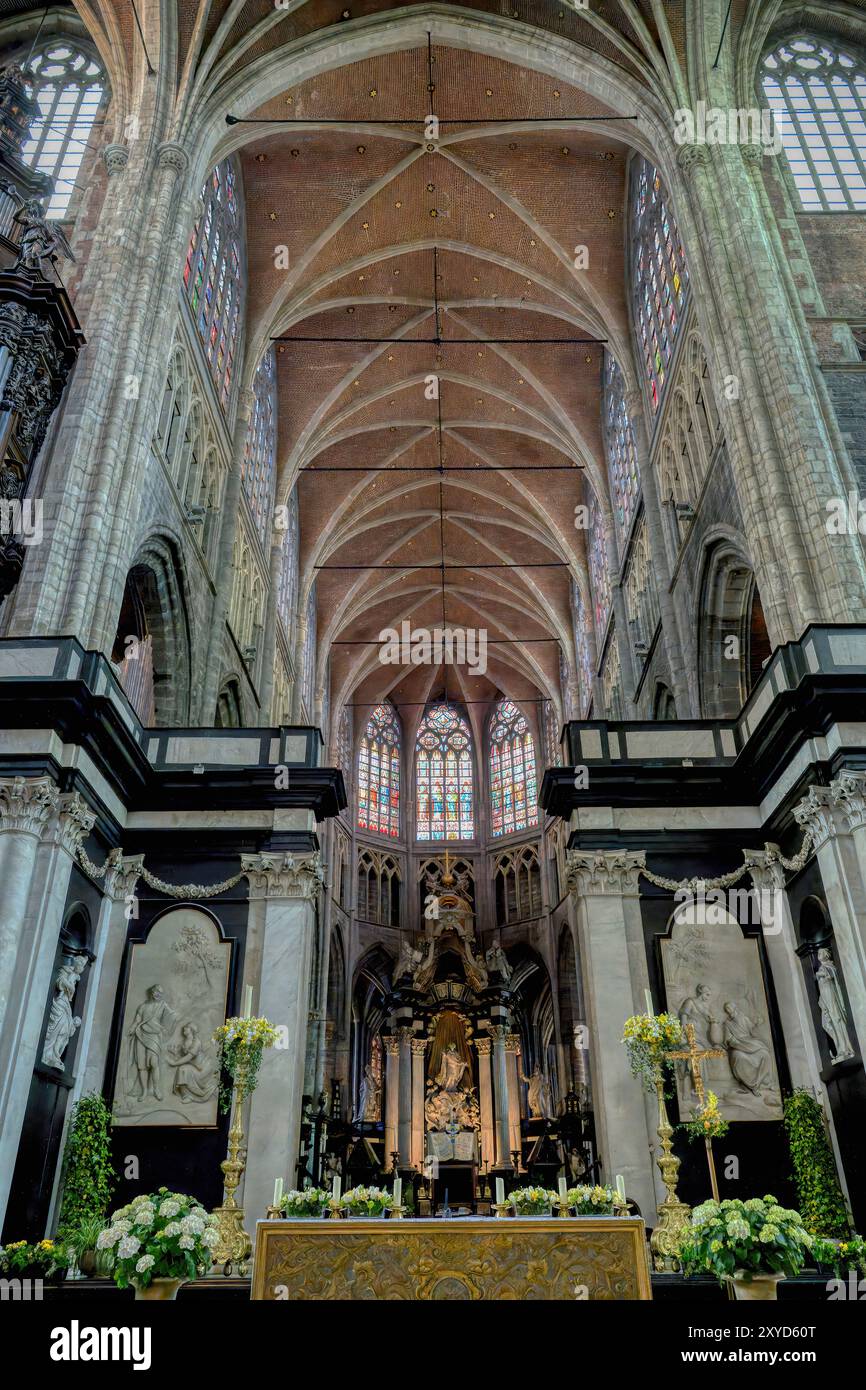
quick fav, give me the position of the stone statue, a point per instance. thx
(40, 241)
(476, 970)
(196, 1076)
(153, 1022)
(697, 1010)
(834, 1015)
(540, 1103)
(368, 1097)
(748, 1057)
(61, 1023)
(498, 961)
(576, 1165)
(451, 1070)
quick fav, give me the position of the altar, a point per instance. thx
(512, 1258)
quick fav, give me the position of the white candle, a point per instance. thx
(335, 1188)
(500, 1192)
(248, 1001)
(398, 1191)
(649, 1002)
(278, 1191)
(563, 1190)
(620, 1185)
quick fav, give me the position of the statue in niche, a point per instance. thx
(62, 1024)
(153, 1022)
(576, 1166)
(497, 961)
(368, 1096)
(196, 1074)
(834, 1015)
(450, 1099)
(539, 1097)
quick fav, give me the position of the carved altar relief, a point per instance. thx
(167, 1069)
(713, 980)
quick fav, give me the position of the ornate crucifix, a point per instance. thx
(695, 1055)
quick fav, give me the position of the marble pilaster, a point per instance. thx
(404, 1116)
(484, 1047)
(512, 1052)
(500, 1095)
(392, 1096)
(416, 1152)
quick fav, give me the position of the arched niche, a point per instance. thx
(733, 640)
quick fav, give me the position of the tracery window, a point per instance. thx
(621, 450)
(599, 572)
(288, 586)
(611, 680)
(309, 652)
(583, 649)
(513, 785)
(260, 450)
(379, 773)
(213, 276)
(69, 87)
(443, 777)
(517, 885)
(818, 95)
(660, 275)
(552, 750)
(378, 889)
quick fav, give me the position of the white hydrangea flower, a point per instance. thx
(186, 1243)
(169, 1207)
(129, 1245)
(107, 1238)
(144, 1215)
(173, 1228)
(209, 1237)
(144, 1264)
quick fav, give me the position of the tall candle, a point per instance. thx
(335, 1188)
(500, 1192)
(649, 1002)
(248, 1001)
(278, 1191)
(398, 1191)
(620, 1185)
(563, 1190)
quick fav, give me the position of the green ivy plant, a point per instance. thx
(821, 1202)
(88, 1176)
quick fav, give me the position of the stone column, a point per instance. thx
(26, 805)
(404, 1115)
(392, 1096)
(512, 1052)
(500, 1093)
(283, 895)
(70, 822)
(830, 814)
(416, 1152)
(484, 1047)
(613, 959)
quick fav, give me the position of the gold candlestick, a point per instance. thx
(233, 1243)
(673, 1224)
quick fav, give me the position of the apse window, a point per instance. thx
(818, 95)
(443, 777)
(69, 87)
(513, 784)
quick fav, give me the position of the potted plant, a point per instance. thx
(310, 1202)
(750, 1245)
(819, 1193)
(159, 1242)
(88, 1175)
(839, 1257)
(586, 1200)
(81, 1242)
(532, 1201)
(44, 1259)
(361, 1202)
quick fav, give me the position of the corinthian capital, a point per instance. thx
(122, 874)
(766, 867)
(690, 158)
(27, 803)
(74, 822)
(282, 875)
(820, 813)
(172, 156)
(849, 792)
(603, 872)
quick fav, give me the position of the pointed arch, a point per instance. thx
(379, 753)
(513, 778)
(445, 791)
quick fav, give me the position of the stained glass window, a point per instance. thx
(599, 573)
(443, 777)
(213, 276)
(309, 653)
(583, 647)
(818, 95)
(260, 450)
(69, 87)
(660, 275)
(621, 451)
(379, 773)
(513, 789)
(288, 585)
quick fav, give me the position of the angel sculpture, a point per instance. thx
(40, 241)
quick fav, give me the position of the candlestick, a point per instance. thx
(398, 1191)
(278, 1191)
(500, 1192)
(620, 1185)
(248, 1001)
(335, 1188)
(563, 1190)
(649, 1002)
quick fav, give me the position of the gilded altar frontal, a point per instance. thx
(433, 662)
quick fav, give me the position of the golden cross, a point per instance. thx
(694, 1056)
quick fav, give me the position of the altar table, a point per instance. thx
(591, 1257)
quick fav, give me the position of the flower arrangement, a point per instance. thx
(596, 1201)
(745, 1239)
(707, 1121)
(310, 1201)
(818, 1191)
(39, 1260)
(166, 1235)
(533, 1201)
(241, 1043)
(89, 1178)
(367, 1201)
(648, 1038)
(840, 1255)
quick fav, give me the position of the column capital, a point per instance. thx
(27, 803)
(483, 1046)
(115, 158)
(849, 790)
(500, 1032)
(691, 158)
(603, 872)
(74, 822)
(170, 155)
(419, 1046)
(405, 1035)
(282, 875)
(820, 813)
(392, 1044)
(512, 1042)
(766, 866)
(122, 874)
